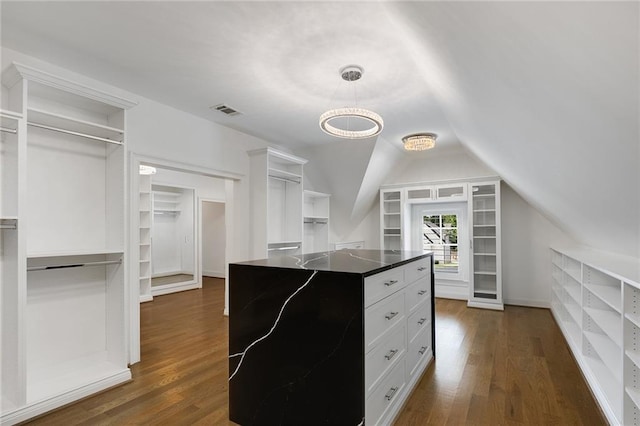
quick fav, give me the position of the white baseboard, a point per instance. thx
(528, 303)
(214, 274)
(452, 292)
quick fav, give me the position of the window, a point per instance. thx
(440, 235)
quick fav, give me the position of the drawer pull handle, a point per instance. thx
(390, 283)
(391, 354)
(421, 321)
(422, 292)
(422, 268)
(391, 393)
(390, 315)
(422, 350)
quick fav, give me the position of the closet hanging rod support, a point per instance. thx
(8, 130)
(73, 265)
(70, 132)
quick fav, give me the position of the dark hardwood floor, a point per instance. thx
(492, 368)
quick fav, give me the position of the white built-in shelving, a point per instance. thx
(63, 254)
(277, 201)
(485, 287)
(391, 219)
(596, 303)
(145, 220)
(316, 221)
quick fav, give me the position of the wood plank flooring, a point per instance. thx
(493, 368)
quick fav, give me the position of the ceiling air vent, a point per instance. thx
(225, 109)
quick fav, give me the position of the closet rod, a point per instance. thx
(284, 179)
(74, 265)
(284, 248)
(69, 132)
(8, 130)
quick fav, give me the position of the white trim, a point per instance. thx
(279, 154)
(32, 410)
(17, 71)
(174, 288)
(439, 182)
(528, 303)
(213, 274)
(185, 168)
(444, 291)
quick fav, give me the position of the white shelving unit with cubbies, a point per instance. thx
(63, 251)
(391, 218)
(276, 184)
(145, 220)
(596, 303)
(316, 221)
(485, 287)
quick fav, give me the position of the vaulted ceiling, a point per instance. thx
(545, 93)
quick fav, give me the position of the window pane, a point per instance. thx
(440, 235)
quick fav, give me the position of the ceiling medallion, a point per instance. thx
(419, 142)
(351, 73)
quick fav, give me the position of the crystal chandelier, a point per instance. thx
(351, 73)
(419, 142)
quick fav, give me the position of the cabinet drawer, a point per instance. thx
(386, 395)
(417, 292)
(418, 320)
(379, 286)
(381, 317)
(418, 269)
(385, 356)
(419, 350)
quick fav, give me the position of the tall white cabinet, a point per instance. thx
(596, 302)
(145, 221)
(485, 286)
(391, 219)
(276, 197)
(63, 254)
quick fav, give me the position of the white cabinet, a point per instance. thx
(485, 287)
(398, 337)
(391, 219)
(441, 193)
(276, 197)
(316, 222)
(63, 265)
(596, 302)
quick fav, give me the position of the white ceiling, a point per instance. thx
(544, 93)
(276, 62)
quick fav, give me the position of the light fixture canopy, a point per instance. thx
(419, 141)
(351, 73)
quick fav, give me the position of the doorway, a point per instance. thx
(213, 238)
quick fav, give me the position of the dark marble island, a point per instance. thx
(332, 338)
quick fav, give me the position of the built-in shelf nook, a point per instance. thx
(62, 221)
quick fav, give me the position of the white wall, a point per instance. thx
(213, 239)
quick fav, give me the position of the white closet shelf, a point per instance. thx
(485, 291)
(485, 211)
(574, 311)
(634, 357)
(485, 226)
(610, 384)
(316, 219)
(70, 375)
(610, 296)
(608, 321)
(484, 195)
(9, 121)
(484, 254)
(634, 318)
(284, 175)
(484, 273)
(52, 119)
(41, 255)
(9, 223)
(634, 394)
(574, 293)
(605, 350)
(485, 237)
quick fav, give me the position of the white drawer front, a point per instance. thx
(379, 318)
(385, 356)
(418, 269)
(419, 350)
(379, 286)
(417, 292)
(386, 395)
(418, 320)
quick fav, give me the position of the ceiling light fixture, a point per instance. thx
(351, 73)
(419, 142)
